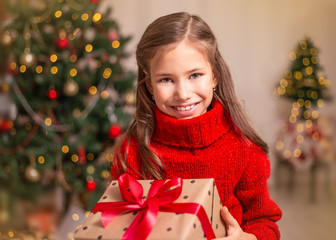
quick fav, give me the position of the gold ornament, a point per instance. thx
(70, 88)
(6, 38)
(27, 58)
(32, 174)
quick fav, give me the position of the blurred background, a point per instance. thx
(67, 78)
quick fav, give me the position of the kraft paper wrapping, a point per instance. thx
(169, 225)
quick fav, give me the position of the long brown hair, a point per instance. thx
(162, 32)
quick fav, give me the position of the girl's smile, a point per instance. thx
(181, 80)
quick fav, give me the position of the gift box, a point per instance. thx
(159, 209)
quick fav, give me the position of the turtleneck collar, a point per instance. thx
(196, 132)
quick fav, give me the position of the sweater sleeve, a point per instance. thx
(260, 213)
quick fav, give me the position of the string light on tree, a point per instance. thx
(299, 142)
(62, 52)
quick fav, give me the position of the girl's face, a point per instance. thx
(181, 81)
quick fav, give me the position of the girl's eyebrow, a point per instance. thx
(163, 74)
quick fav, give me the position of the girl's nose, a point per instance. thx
(182, 92)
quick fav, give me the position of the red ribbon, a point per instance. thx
(161, 196)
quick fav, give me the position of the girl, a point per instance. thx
(189, 123)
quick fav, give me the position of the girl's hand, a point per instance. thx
(234, 231)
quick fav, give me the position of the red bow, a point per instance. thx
(161, 196)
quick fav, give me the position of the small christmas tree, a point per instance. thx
(63, 69)
(304, 83)
(304, 139)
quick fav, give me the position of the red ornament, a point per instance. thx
(81, 155)
(114, 131)
(52, 94)
(62, 43)
(5, 125)
(91, 185)
(113, 35)
(94, 1)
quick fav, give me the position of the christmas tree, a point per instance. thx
(304, 139)
(67, 97)
(304, 82)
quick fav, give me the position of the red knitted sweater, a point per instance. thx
(208, 147)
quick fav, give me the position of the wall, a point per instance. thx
(255, 39)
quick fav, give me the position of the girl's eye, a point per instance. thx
(195, 75)
(165, 80)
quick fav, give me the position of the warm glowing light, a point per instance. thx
(281, 90)
(53, 58)
(309, 70)
(96, 17)
(39, 69)
(107, 73)
(295, 105)
(292, 56)
(105, 174)
(313, 51)
(65, 149)
(75, 217)
(73, 58)
(283, 83)
(295, 112)
(73, 72)
(88, 48)
(85, 16)
(115, 44)
(303, 44)
(314, 60)
(309, 123)
(92, 90)
(320, 103)
(23, 68)
(47, 121)
(314, 95)
(287, 154)
(292, 119)
(41, 159)
(298, 75)
(300, 127)
(74, 158)
(300, 102)
(299, 139)
(315, 114)
(104, 94)
(90, 169)
(279, 145)
(316, 136)
(307, 104)
(297, 153)
(306, 61)
(12, 65)
(58, 14)
(54, 70)
(10, 234)
(306, 114)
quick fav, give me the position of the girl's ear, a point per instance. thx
(214, 82)
(148, 82)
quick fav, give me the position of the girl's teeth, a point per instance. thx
(185, 108)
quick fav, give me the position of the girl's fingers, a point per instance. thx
(229, 220)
